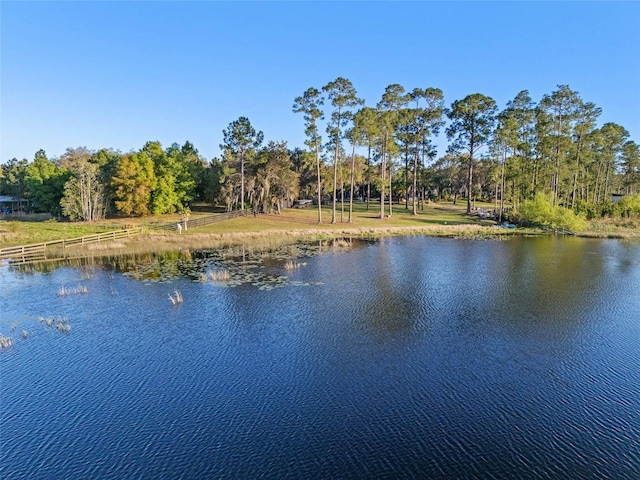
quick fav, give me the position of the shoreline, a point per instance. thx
(162, 242)
(271, 231)
(155, 242)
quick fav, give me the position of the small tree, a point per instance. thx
(84, 195)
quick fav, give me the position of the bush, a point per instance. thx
(540, 211)
(628, 206)
(589, 210)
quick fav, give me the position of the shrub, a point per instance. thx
(628, 206)
(589, 210)
(536, 211)
(541, 211)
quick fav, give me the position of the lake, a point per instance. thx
(406, 357)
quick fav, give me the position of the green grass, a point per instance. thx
(25, 232)
(445, 213)
(294, 219)
(438, 219)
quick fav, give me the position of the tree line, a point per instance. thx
(551, 148)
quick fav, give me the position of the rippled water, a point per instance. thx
(404, 358)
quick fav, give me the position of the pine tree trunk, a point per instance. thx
(319, 185)
(353, 167)
(414, 190)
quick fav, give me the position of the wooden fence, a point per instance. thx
(39, 252)
(202, 221)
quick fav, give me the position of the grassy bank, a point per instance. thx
(25, 231)
(441, 219)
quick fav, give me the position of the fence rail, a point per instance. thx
(40, 251)
(202, 221)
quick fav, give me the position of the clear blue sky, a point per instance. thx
(118, 74)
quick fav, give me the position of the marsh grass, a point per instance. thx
(27, 331)
(5, 342)
(293, 265)
(622, 228)
(177, 299)
(64, 291)
(63, 325)
(201, 277)
(219, 276)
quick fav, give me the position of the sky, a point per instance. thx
(118, 74)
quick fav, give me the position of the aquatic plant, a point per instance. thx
(63, 325)
(292, 265)
(177, 299)
(340, 242)
(5, 342)
(63, 291)
(202, 277)
(219, 276)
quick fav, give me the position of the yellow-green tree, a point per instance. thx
(133, 183)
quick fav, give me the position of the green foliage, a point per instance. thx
(343, 97)
(592, 211)
(133, 183)
(157, 181)
(240, 143)
(553, 147)
(628, 206)
(630, 159)
(309, 104)
(84, 196)
(45, 182)
(472, 120)
(107, 161)
(175, 186)
(198, 171)
(541, 211)
(12, 180)
(274, 180)
(212, 180)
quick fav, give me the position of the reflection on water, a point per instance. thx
(404, 358)
(227, 266)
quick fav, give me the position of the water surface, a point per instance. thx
(404, 358)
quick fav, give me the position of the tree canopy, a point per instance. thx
(554, 147)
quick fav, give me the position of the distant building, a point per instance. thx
(10, 204)
(616, 197)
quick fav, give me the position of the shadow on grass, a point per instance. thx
(28, 217)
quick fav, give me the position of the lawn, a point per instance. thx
(21, 232)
